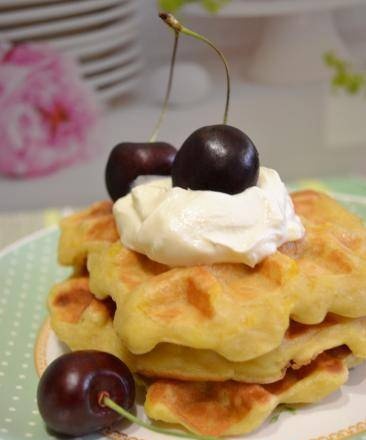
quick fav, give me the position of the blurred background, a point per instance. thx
(305, 111)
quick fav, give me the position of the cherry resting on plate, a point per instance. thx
(69, 392)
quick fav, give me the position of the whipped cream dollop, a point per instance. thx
(180, 227)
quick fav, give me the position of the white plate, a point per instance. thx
(28, 3)
(111, 61)
(71, 24)
(121, 31)
(119, 89)
(53, 11)
(116, 75)
(102, 46)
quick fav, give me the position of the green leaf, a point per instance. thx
(212, 6)
(289, 409)
(344, 77)
(333, 61)
(281, 409)
(171, 5)
(274, 418)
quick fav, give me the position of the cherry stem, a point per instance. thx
(106, 401)
(168, 90)
(171, 21)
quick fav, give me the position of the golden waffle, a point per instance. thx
(242, 313)
(231, 408)
(320, 208)
(300, 346)
(84, 231)
(116, 271)
(83, 322)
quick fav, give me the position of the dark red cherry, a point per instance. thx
(70, 387)
(129, 160)
(216, 158)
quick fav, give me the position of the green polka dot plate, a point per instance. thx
(28, 269)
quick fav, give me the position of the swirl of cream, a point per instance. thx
(180, 227)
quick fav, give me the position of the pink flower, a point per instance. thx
(49, 117)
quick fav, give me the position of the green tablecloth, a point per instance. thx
(16, 225)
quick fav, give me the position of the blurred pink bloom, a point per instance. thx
(48, 116)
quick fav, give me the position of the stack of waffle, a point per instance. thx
(220, 346)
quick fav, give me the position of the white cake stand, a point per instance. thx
(295, 37)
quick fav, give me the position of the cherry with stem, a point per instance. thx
(86, 391)
(216, 157)
(128, 160)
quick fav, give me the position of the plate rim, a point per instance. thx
(119, 89)
(118, 74)
(26, 239)
(120, 12)
(103, 46)
(96, 67)
(122, 30)
(55, 11)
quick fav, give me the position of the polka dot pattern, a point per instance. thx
(27, 272)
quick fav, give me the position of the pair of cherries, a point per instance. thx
(213, 158)
(216, 158)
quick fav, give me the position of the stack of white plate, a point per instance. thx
(101, 34)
